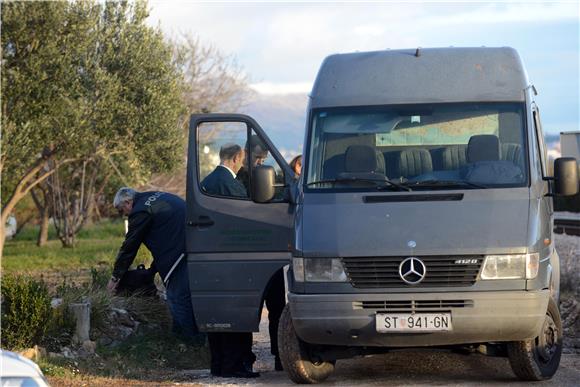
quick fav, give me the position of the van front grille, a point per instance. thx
(441, 271)
(412, 305)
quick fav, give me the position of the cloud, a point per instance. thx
(511, 13)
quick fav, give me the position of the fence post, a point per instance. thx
(82, 315)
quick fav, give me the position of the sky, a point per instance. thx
(281, 45)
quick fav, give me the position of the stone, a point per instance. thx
(89, 346)
(55, 302)
(82, 316)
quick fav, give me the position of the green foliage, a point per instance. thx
(25, 311)
(90, 83)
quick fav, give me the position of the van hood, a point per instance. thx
(488, 221)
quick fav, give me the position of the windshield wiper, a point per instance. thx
(379, 182)
(444, 183)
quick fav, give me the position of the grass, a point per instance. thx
(150, 356)
(97, 245)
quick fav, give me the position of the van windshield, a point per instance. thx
(435, 146)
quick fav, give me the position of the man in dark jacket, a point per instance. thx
(258, 152)
(231, 352)
(157, 219)
(222, 181)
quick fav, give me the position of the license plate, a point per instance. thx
(416, 322)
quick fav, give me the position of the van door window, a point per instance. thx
(221, 158)
(261, 155)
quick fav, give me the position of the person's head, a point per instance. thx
(123, 200)
(296, 165)
(232, 156)
(258, 150)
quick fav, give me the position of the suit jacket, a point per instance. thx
(221, 182)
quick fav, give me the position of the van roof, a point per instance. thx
(430, 75)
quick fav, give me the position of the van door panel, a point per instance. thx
(234, 246)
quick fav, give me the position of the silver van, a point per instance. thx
(423, 216)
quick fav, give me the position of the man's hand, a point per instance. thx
(112, 285)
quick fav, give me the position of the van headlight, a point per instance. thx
(318, 270)
(511, 266)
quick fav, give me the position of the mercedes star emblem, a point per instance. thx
(412, 270)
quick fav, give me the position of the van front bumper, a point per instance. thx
(349, 319)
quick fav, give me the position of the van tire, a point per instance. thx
(295, 355)
(527, 358)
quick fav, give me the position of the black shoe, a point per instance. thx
(278, 364)
(248, 366)
(240, 374)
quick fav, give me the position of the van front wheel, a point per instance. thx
(539, 358)
(296, 356)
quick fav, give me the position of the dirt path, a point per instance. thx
(395, 369)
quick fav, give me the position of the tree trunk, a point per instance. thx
(31, 178)
(2, 226)
(43, 207)
(43, 232)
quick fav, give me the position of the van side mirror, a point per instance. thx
(263, 180)
(565, 176)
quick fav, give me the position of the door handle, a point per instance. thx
(202, 221)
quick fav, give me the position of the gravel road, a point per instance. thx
(416, 367)
(395, 369)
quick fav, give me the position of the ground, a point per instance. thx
(155, 360)
(393, 369)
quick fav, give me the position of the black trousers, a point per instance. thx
(230, 351)
(275, 299)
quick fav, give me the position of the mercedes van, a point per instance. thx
(423, 216)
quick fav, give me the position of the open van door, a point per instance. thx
(234, 246)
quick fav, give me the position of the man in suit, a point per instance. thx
(222, 181)
(231, 352)
(258, 154)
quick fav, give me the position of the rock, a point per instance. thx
(68, 353)
(54, 355)
(89, 346)
(104, 340)
(123, 317)
(55, 302)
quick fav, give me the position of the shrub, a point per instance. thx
(25, 311)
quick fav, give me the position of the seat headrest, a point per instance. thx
(484, 147)
(414, 162)
(360, 158)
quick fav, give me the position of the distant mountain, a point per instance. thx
(283, 117)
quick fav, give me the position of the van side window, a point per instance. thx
(542, 151)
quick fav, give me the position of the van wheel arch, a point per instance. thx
(538, 359)
(296, 356)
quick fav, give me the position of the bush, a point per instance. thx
(25, 311)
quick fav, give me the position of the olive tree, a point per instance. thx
(86, 86)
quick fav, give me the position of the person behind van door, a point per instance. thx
(258, 152)
(231, 352)
(157, 220)
(296, 165)
(222, 181)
